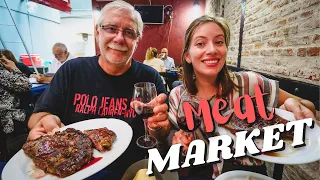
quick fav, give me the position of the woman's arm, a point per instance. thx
(12, 78)
(284, 96)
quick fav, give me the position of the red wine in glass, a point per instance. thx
(144, 112)
(143, 99)
(182, 123)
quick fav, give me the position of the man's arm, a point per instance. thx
(35, 118)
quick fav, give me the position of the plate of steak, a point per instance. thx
(101, 138)
(61, 154)
(289, 155)
(70, 153)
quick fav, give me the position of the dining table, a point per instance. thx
(169, 76)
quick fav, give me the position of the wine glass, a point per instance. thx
(143, 94)
(181, 117)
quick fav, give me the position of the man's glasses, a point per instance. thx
(127, 33)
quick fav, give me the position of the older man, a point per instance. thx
(84, 87)
(61, 55)
(168, 61)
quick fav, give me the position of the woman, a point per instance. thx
(206, 76)
(153, 61)
(12, 82)
(22, 67)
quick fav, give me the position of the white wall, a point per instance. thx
(69, 28)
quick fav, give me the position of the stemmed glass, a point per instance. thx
(143, 94)
(181, 117)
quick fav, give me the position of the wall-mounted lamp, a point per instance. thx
(85, 36)
(196, 3)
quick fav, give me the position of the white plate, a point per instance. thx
(290, 155)
(19, 164)
(242, 175)
(33, 80)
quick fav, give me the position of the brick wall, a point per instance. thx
(281, 37)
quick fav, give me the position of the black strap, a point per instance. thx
(241, 32)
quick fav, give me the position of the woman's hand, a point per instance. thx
(183, 138)
(298, 109)
(10, 65)
(48, 124)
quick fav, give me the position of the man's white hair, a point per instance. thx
(119, 5)
(62, 46)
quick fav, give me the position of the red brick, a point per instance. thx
(283, 22)
(245, 53)
(307, 13)
(302, 52)
(258, 45)
(287, 52)
(290, 52)
(316, 38)
(281, 3)
(314, 51)
(275, 43)
(292, 19)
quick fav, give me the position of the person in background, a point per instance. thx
(61, 55)
(205, 75)
(108, 80)
(13, 119)
(22, 67)
(179, 81)
(152, 60)
(168, 61)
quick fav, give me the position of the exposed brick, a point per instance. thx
(256, 39)
(307, 14)
(309, 24)
(245, 53)
(284, 52)
(283, 22)
(316, 39)
(254, 53)
(266, 52)
(256, 10)
(288, 31)
(259, 29)
(295, 40)
(308, 3)
(271, 17)
(257, 23)
(280, 4)
(292, 19)
(313, 51)
(280, 70)
(290, 9)
(269, 35)
(269, 2)
(302, 52)
(249, 47)
(247, 27)
(278, 43)
(258, 45)
(284, 39)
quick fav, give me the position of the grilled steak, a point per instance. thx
(102, 138)
(61, 154)
(235, 124)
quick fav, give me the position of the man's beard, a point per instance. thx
(121, 48)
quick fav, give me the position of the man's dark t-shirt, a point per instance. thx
(81, 90)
